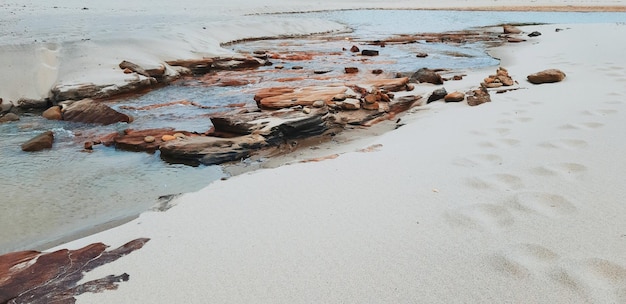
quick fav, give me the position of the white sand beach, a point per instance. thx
(520, 200)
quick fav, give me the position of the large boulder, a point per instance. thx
(454, 97)
(426, 75)
(90, 111)
(39, 142)
(546, 76)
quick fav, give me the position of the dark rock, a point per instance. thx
(354, 49)
(546, 76)
(478, 97)
(534, 34)
(426, 75)
(454, 97)
(39, 142)
(53, 113)
(9, 117)
(377, 71)
(297, 67)
(369, 53)
(421, 55)
(437, 95)
(306, 126)
(89, 111)
(232, 124)
(351, 70)
(32, 103)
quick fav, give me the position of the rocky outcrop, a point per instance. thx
(546, 76)
(40, 142)
(209, 150)
(90, 111)
(426, 75)
(144, 140)
(53, 277)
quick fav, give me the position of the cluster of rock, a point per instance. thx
(282, 116)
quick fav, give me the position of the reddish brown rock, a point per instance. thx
(388, 85)
(350, 104)
(351, 70)
(454, 97)
(546, 76)
(515, 40)
(278, 98)
(37, 277)
(426, 75)
(371, 106)
(377, 71)
(39, 142)
(89, 111)
(53, 113)
(141, 140)
(478, 97)
(354, 49)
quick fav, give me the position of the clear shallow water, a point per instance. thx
(51, 194)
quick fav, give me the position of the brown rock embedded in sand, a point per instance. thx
(454, 97)
(510, 29)
(546, 76)
(90, 111)
(53, 113)
(40, 142)
(478, 97)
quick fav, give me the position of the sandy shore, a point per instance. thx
(515, 201)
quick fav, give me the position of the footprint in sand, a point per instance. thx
(478, 160)
(573, 170)
(499, 143)
(480, 217)
(546, 204)
(598, 280)
(524, 260)
(504, 182)
(564, 144)
(599, 112)
(582, 126)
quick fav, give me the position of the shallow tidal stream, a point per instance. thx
(50, 196)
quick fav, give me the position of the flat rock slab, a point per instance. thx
(282, 97)
(37, 277)
(90, 111)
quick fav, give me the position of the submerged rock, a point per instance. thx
(90, 111)
(40, 142)
(9, 117)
